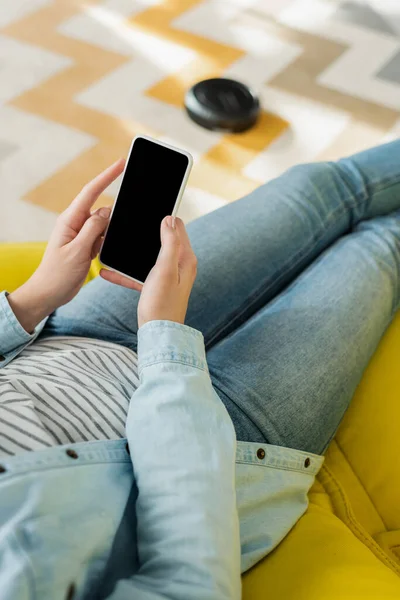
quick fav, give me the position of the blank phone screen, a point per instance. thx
(149, 190)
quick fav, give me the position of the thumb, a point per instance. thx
(93, 227)
(169, 243)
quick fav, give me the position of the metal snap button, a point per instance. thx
(261, 453)
(307, 463)
(71, 453)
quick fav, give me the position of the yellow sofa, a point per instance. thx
(347, 545)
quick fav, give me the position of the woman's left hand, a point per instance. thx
(74, 242)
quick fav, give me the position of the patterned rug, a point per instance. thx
(80, 78)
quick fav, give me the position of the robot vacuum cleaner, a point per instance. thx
(222, 105)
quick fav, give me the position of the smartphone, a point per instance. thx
(152, 186)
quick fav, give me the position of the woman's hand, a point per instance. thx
(74, 242)
(166, 291)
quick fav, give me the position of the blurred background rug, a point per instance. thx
(80, 78)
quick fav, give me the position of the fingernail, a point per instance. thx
(104, 212)
(171, 222)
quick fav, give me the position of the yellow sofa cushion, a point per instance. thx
(320, 559)
(19, 261)
(347, 545)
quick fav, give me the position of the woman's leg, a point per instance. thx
(250, 250)
(288, 375)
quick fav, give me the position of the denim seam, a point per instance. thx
(81, 464)
(386, 184)
(172, 361)
(160, 325)
(377, 186)
(299, 469)
(335, 214)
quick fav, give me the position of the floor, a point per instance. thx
(80, 78)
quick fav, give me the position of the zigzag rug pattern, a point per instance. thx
(81, 78)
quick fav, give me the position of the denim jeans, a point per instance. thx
(296, 285)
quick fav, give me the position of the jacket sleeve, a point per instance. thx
(13, 337)
(182, 444)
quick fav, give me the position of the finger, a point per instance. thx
(98, 243)
(88, 196)
(97, 246)
(169, 255)
(186, 246)
(92, 229)
(119, 279)
(187, 257)
(107, 206)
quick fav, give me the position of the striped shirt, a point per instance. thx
(62, 390)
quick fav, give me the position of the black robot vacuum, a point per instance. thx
(222, 105)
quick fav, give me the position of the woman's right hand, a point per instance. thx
(166, 291)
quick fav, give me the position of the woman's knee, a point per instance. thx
(312, 180)
(318, 186)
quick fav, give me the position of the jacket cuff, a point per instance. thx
(167, 341)
(12, 334)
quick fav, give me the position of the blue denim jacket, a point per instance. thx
(153, 516)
